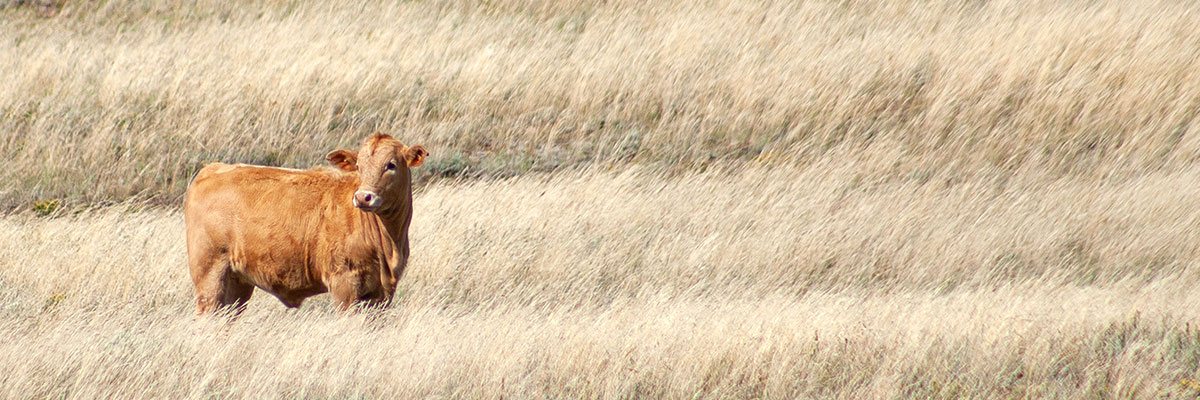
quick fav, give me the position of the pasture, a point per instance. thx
(842, 199)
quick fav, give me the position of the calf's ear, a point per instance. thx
(346, 160)
(415, 155)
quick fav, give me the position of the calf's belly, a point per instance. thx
(282, 278)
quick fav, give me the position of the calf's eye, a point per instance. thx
(391, 166)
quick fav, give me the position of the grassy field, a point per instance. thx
(102, 101)
(698, 199)
(795, 283)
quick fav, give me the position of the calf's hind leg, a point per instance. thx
(218, 286)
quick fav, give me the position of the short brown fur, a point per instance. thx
(298, 233)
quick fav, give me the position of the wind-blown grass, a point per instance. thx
(894, 199)
(761, 282)
(105, 101)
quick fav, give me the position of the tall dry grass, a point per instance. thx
(102, 101)
(843, 199)
(763, 282)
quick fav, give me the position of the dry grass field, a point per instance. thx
(107, 100)
(697, 199)
(759, 283)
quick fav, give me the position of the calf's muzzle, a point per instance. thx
(366, 200)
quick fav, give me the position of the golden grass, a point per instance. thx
(848, 199)
(111, 100)
(760, 282)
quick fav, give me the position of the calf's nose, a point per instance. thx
(366, 200)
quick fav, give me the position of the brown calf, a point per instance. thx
(298, 233)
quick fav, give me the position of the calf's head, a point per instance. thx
(382, 164)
